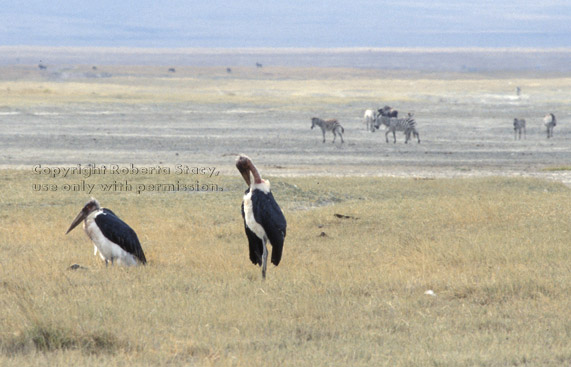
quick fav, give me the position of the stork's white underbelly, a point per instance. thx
(108, 250)
(249, 211)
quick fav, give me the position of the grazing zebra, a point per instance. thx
(519, 125)
(370, 117)
(388, 112)
(328, 125)
(550, 122)
(393, 124)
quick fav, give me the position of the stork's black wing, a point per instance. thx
(255, 243)
(270, 216)
(109, 211)
(117, 231)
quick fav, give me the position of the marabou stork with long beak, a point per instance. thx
(264, 221)
(112, 237)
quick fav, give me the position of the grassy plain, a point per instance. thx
(146, 115)
(349, 291)
(275, 86)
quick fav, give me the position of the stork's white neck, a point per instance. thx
(263, 186)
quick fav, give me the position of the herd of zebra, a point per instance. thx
(549, 121)
(388, 117)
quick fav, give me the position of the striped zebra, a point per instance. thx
(328, 125)
(519, 125)
(393, 124)
(550, 122)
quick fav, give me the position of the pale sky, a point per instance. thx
(293, 23)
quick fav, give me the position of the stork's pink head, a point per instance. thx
(91, 206)
(245, 166)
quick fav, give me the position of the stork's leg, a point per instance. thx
(264, 258)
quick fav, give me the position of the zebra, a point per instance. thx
(550, 122)
(393, 124)
(328, 125)
(369, 118)
(519, 125)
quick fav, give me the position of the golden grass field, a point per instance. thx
(479, 219)
(308, 87)
(495, 251)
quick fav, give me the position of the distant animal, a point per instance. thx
(228, 70)
(388, 111)
(518, 91)
(111, 237)
(94, 68)
(42, 67)
(550, 122)
(394, 124)
(172, 70)
(258, 65)
(519, 125)
(264, 221)
(369, 118)
(328, 125)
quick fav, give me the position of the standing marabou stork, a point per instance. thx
(263, 218)
(112, 237)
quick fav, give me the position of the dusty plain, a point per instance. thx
(471, 214)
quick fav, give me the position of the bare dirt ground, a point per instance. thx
(69, 115)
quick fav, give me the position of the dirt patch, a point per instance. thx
(205, 117)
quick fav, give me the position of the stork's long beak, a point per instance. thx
(246, 175)
(81, 216)
(243, 165)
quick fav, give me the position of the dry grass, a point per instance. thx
(495, 251)
(279, 87)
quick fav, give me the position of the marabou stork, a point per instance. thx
(112, 237)
(263, 218)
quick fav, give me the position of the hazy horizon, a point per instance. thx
(276, 24)
(57, 59)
